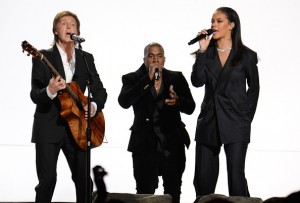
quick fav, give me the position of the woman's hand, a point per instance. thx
(204, 42)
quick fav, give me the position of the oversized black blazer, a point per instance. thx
(136, 93)
(48, 125)
(230, 99)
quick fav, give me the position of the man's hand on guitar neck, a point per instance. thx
(56, 84)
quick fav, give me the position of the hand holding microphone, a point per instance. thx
(155, 71)
(156, 74)
(201, 35)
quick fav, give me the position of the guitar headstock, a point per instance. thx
(31, 50)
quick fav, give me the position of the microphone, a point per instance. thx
(201, 36)
(76, 38)
(156, 74)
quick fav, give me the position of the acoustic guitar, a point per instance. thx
(72, 101)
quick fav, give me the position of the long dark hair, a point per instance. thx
(236, 37)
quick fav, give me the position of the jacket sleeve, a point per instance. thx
(40, 76)
(133, 88)
(252, 81)
(99, 94)
(186, 102)
(198, 76)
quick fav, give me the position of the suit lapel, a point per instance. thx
(166, 83)
(78, 64)
(58, 62)
(226, 70)
(214, 66)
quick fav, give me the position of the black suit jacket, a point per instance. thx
(230, 100)
(48, 125)
(151, 111)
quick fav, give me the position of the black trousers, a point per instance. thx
(207, 169)
(148, 167)
(46, 164)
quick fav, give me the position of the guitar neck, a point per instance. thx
(55, 73)
(49, 65)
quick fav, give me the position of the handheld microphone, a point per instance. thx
(156, 74)
(77, 38)
(201, 36)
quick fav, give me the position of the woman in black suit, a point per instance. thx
(51, 132)
(228, 69)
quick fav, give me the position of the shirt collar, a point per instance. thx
(64, 54)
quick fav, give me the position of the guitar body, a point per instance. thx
(74, 114)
